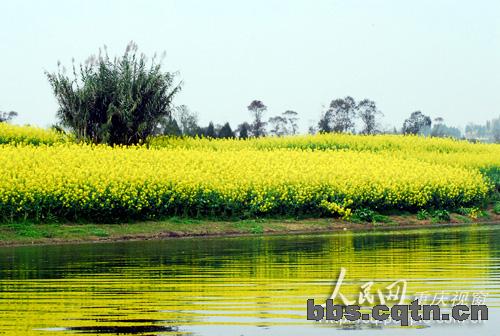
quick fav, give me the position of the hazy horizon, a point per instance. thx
(439, 57)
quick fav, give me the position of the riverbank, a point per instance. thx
(58, 233)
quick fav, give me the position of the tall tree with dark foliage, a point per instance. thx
(118, 101)
(416, 123)
(258, 126)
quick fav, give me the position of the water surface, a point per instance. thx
(240, 286)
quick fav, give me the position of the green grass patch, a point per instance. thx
(250, 226)
(440, 216)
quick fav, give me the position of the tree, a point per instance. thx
(7, 116)
(278, 125)
(438, 127)
(473, 131)
(257, 109)
(339, 117)
(291, 117)
(284, 124)
(200, 132)
(170, 127)
(243, 130)
(489, 132)
(210, 132)
(312, 130)
(495, 127)
(367, 112)
(416, 123)
(324, 122)
(342, 114)
(115, 102)
(188, 120)
(226, 131)
(448, 131)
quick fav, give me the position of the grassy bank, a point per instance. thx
(26, 233)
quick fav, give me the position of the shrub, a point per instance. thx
(423, 214)
(496, 208)
(364, 214)
(114, 102)
(441, 215)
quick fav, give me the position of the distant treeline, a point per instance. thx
(343, 116)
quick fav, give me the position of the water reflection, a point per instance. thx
(251, 285)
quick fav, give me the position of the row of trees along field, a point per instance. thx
(341, 116)
(127, 99)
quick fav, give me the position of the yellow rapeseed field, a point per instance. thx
(436, 150)
(304, 175)
(13, 134)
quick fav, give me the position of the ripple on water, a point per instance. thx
(251, 285)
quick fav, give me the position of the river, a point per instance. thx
(254, 285)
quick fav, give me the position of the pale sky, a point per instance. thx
(438, 56)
